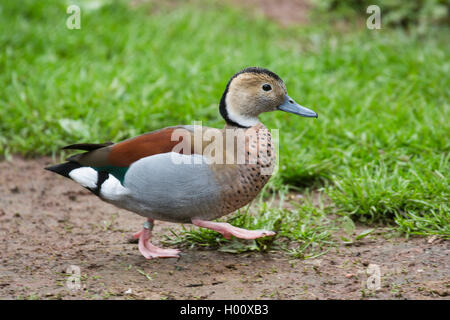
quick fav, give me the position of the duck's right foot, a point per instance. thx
(227, 230)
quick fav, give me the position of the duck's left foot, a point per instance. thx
(227, 230)
(147, 249)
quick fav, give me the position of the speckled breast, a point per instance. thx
(252, 175)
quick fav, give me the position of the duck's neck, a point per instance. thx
(233, 118)
(256, 127)
(241, 121)
(236, 120)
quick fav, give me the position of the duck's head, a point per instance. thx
(253, 91)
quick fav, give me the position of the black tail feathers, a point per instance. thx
(87, 146)
(64, 168)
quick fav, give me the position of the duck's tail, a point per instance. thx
(64, 169)
(86, 176)
(101, 183)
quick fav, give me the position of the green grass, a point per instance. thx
(380, 146)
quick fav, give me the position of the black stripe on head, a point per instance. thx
(258, 70)
(102, 176)
(223, 106)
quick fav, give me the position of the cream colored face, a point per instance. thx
(250, 94)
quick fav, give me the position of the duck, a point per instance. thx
(190, 173)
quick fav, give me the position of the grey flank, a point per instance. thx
(162, 187)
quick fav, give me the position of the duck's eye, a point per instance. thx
(267, 87)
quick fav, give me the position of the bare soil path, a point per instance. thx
(48, 223)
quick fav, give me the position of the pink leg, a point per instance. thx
(148, 250)
(227, 230)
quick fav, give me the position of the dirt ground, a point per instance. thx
(48, 223)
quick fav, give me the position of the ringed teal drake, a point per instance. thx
(172, 175)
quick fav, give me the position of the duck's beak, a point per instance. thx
(289, 105)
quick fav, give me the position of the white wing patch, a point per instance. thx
(112, 189)
(85, 176)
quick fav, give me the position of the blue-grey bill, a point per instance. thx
(289, 105)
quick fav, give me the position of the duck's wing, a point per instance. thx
(117, 158)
